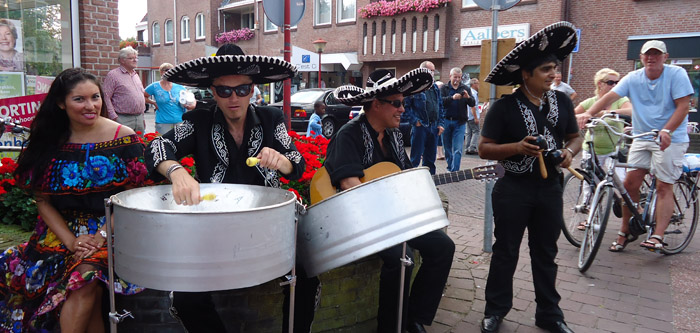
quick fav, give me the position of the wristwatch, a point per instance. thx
(103, 234)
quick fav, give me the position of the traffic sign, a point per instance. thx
(502, 4)
(578, 40)
(274, 9)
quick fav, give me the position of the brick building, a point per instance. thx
(449, 35)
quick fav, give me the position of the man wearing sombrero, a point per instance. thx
(522, 198)
(372, 138)
(221, 140)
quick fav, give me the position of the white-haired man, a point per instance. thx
(124, 92)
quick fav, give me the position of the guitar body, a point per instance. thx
(322, 188)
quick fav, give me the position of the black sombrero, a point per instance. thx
(383, 83)
(558, 39)
(230, 60)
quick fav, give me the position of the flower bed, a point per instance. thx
(391, 8)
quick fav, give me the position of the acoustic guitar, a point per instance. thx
(321, 187)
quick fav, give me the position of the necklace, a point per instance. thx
(533, 96)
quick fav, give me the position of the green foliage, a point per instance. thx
(18, 207)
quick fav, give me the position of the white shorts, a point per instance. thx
(666, 165)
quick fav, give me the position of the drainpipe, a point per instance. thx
(175, 29)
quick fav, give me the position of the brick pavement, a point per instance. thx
(633, 291)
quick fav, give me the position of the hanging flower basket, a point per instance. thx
(234, 36)
(391, 8)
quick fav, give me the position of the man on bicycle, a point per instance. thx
(660, 94)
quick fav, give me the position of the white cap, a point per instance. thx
(654, 44)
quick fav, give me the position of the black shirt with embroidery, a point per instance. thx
(514, 117)
(204, 134)
(355, 147)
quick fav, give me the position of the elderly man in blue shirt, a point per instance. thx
(425, 112)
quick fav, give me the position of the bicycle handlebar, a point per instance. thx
(595, 121)
(16, 127)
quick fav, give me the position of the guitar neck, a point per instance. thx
(451, 177)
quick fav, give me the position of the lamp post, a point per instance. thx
(319, 44)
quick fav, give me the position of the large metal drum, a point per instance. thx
(369, 218)
(242, 237)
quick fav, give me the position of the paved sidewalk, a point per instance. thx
(632, 291)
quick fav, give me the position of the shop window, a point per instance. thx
(185, 29)
(169, 31)
(248, 20)
(199, 26)
(156, 33)
(40, 46)
(322, 12)
(346, 10)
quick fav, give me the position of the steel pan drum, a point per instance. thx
(241, 238)
(369, 218)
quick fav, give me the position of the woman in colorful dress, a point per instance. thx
(75, 158)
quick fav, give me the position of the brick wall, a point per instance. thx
(99, 35)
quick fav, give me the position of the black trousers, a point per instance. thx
(196, 311)
(437, 250)
(535, 204)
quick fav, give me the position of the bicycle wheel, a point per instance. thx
(595, 228)
(684, 220)
(577, 201)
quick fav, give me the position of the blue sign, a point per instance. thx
(578, 40)
(305, 58)
(274, 9)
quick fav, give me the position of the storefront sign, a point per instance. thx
(11, 84)
(305, 60)
(474, 36)
(22, 110)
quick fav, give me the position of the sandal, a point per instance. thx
(654, 246)
(617, 247)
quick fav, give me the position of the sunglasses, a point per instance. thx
(241, 91)
(395, 103)
(611, 82)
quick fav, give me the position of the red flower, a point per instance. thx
(284, 180)
(187, 161)
(295, 193)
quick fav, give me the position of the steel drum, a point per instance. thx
(242, 236)
(369, 218)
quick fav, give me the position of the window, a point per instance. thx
(185, 29)
(168, 31)
(436, 37)
(468, 4)
(199, 26)
(139, 35)
(425, 33)
(322, 12)
(383, 37)
(393, 36)
(364, 38)
(269, 26)
(156, 33)
(346, 10)
(248, 20)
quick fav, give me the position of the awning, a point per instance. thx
(681, 45)
(307, 61)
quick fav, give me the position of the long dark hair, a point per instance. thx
(50, 128)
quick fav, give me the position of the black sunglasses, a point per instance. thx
(611, 82)
(395, 103)
(241, 91)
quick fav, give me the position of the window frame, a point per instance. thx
(155, 33)
(339, 9)
(266, 21)
(199, 24)
(185, 28)
(316, 13)
(251, 23)
(172, 31)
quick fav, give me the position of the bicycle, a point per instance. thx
(683, 222)
(15, 128)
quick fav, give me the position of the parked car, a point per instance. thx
(302, 104)
(204, 98)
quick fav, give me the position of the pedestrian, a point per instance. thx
(124, 92)
(660, 95)
(522, 199)
(426, 114)
(564, 87)
(371, 138)
(256, 99)
(75, 159)
(472, 139)
(457, 99)
(315, 127)
(168, 109)
(221, 139)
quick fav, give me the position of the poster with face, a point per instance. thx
(11, 56)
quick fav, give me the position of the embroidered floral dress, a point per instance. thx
(35, 277)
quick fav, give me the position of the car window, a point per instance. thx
(306, 96)
(331, 100)
(206, 93)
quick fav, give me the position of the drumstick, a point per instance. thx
(543, 168)
(252, 161)
(574, 172)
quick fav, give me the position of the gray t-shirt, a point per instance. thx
(563, 87)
